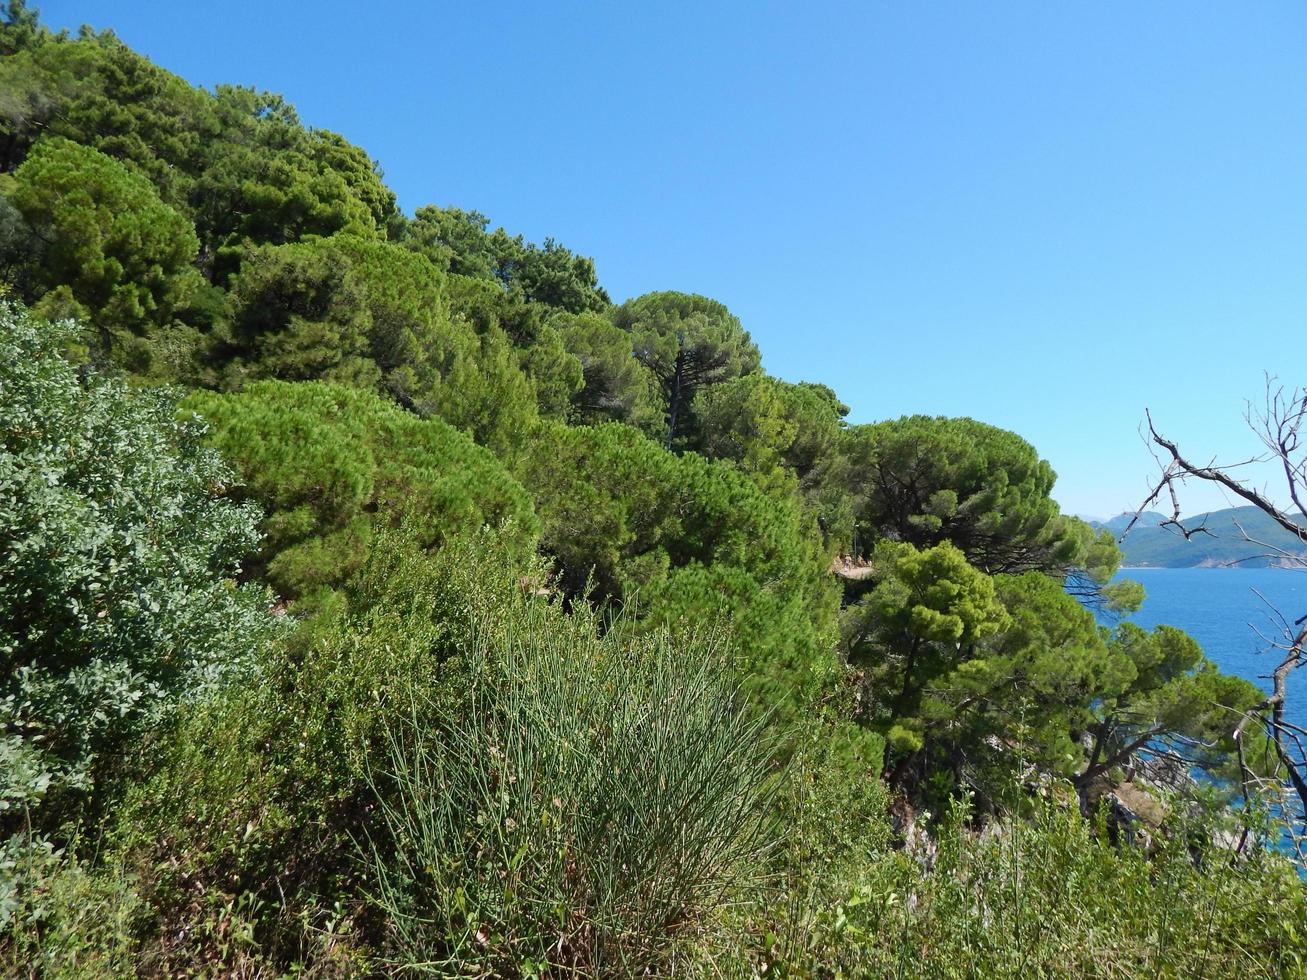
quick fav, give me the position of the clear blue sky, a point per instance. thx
(1044, 216)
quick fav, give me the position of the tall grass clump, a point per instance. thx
(595, 805)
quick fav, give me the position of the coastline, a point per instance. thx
(1238, 566)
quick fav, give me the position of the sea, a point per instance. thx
(1235, 614)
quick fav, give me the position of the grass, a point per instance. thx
(593, 809)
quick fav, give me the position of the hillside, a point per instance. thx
(1225, 542)
(380, 598)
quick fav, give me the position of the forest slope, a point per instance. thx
(377, 597)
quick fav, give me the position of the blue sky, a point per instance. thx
(1044, 216)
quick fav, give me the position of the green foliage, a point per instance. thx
(117, 552)
(331, 465)
(1046, 896)
(337, 157)
(296, 313)
(1036, 681)
(431, 676)
(61, 919)
(584, 814)
(236, 162)
(925, 615)
(1168, 696)
(1021, 697)
(616, 386)
(491, 398)
(782, 433)
(442, 766)
(548, 274)
(109, 244)
(687, 538)
(603, 513)
(19, 26)
(690, 343)
(265, 179)
(370, 314)
(94, 90)
(617, 507)
(249, 815)
(501, 318)
(285, 189)
(454, 240)
(486, 306)
(971, 677)
(551, 274)
(764, 424)
(555, 371)
(926, 480)
(783, 639)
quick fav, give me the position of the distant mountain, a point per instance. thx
(1118, 524)
(1149, 545)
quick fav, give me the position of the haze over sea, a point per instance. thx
(1223, 609)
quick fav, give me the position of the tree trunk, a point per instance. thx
(909, 665)
(675, 396)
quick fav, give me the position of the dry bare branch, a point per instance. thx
(1278, 424)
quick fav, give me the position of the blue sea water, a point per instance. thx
(1222, 608)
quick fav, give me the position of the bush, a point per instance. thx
(250, 808)
(1047, 896)
(117, 554)
(113, 251)
(639, 808)
(370, 314)
(589, 812)
(58, 918)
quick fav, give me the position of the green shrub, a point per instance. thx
(1043, 896)
(370, 314)
(641, 806)
(117, 553)
(781, 640)
(111, 249)
(60, 919)
(249, 809)
(617, 386)
(589, 812)
(765, 424)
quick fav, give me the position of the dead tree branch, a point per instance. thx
(1278, 424)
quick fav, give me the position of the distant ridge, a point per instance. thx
(1149, 545)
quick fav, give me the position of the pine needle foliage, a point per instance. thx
(332, 465)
